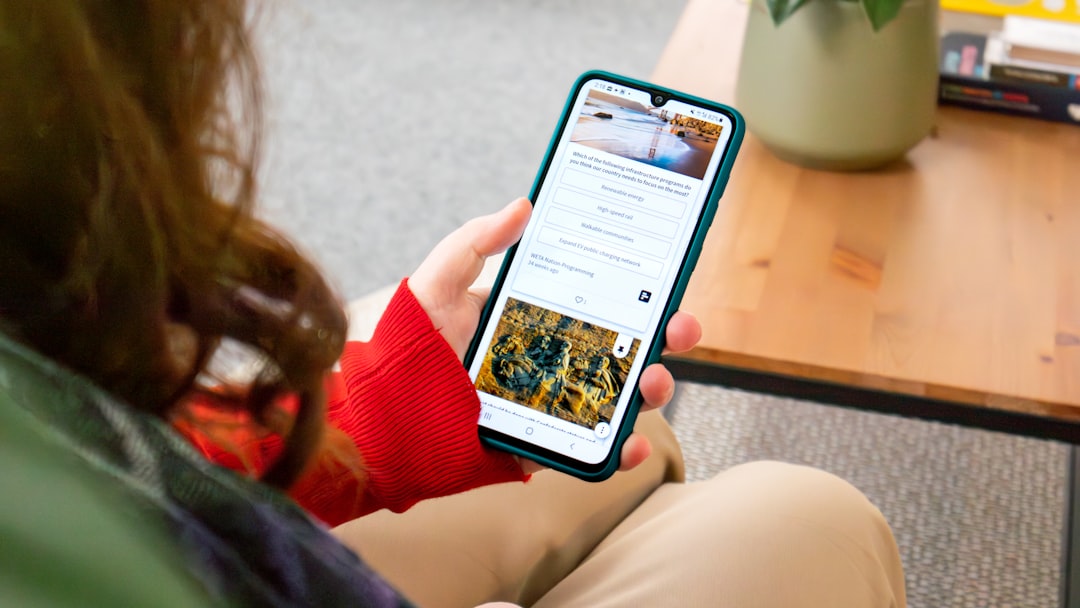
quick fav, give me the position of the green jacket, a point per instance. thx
(103, 505)
(67, 537)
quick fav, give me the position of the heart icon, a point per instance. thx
(1074, 111)
(579, 299)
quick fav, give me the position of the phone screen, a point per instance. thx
(617, 205)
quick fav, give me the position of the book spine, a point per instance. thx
(1022, 74)
(1042, 36)
(1056, 104)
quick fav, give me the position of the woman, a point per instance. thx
(130, 255)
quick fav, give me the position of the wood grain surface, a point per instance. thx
(952, 274)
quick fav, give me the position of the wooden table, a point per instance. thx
(946, 286)
(952, 276)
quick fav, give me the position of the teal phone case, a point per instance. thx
(606, 468)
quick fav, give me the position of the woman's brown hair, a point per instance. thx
(129, 251)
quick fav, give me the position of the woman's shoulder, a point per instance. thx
(84, 465)
(70, 538)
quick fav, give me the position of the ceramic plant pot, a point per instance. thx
(824, 90)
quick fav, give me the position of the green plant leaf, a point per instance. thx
(780, 10)
(881, 12)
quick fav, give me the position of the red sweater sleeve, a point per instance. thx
(409, 407)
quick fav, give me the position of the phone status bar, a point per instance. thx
(705, 115)
(610, 88)
(637, 94)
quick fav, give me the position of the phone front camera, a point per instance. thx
(658, 99)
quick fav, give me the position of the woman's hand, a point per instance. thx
(442, 285)
(658, 386)
(442, 282)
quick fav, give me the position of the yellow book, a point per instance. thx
(1064, 10)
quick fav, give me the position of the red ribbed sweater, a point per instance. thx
(407, 404)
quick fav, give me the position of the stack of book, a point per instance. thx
(1030, 67)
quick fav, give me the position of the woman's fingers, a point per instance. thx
(441, 283)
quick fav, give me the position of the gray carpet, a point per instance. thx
(978, 515)
(391, 123)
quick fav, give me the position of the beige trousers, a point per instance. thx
(761, 534)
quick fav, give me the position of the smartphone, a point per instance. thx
(626, 191)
